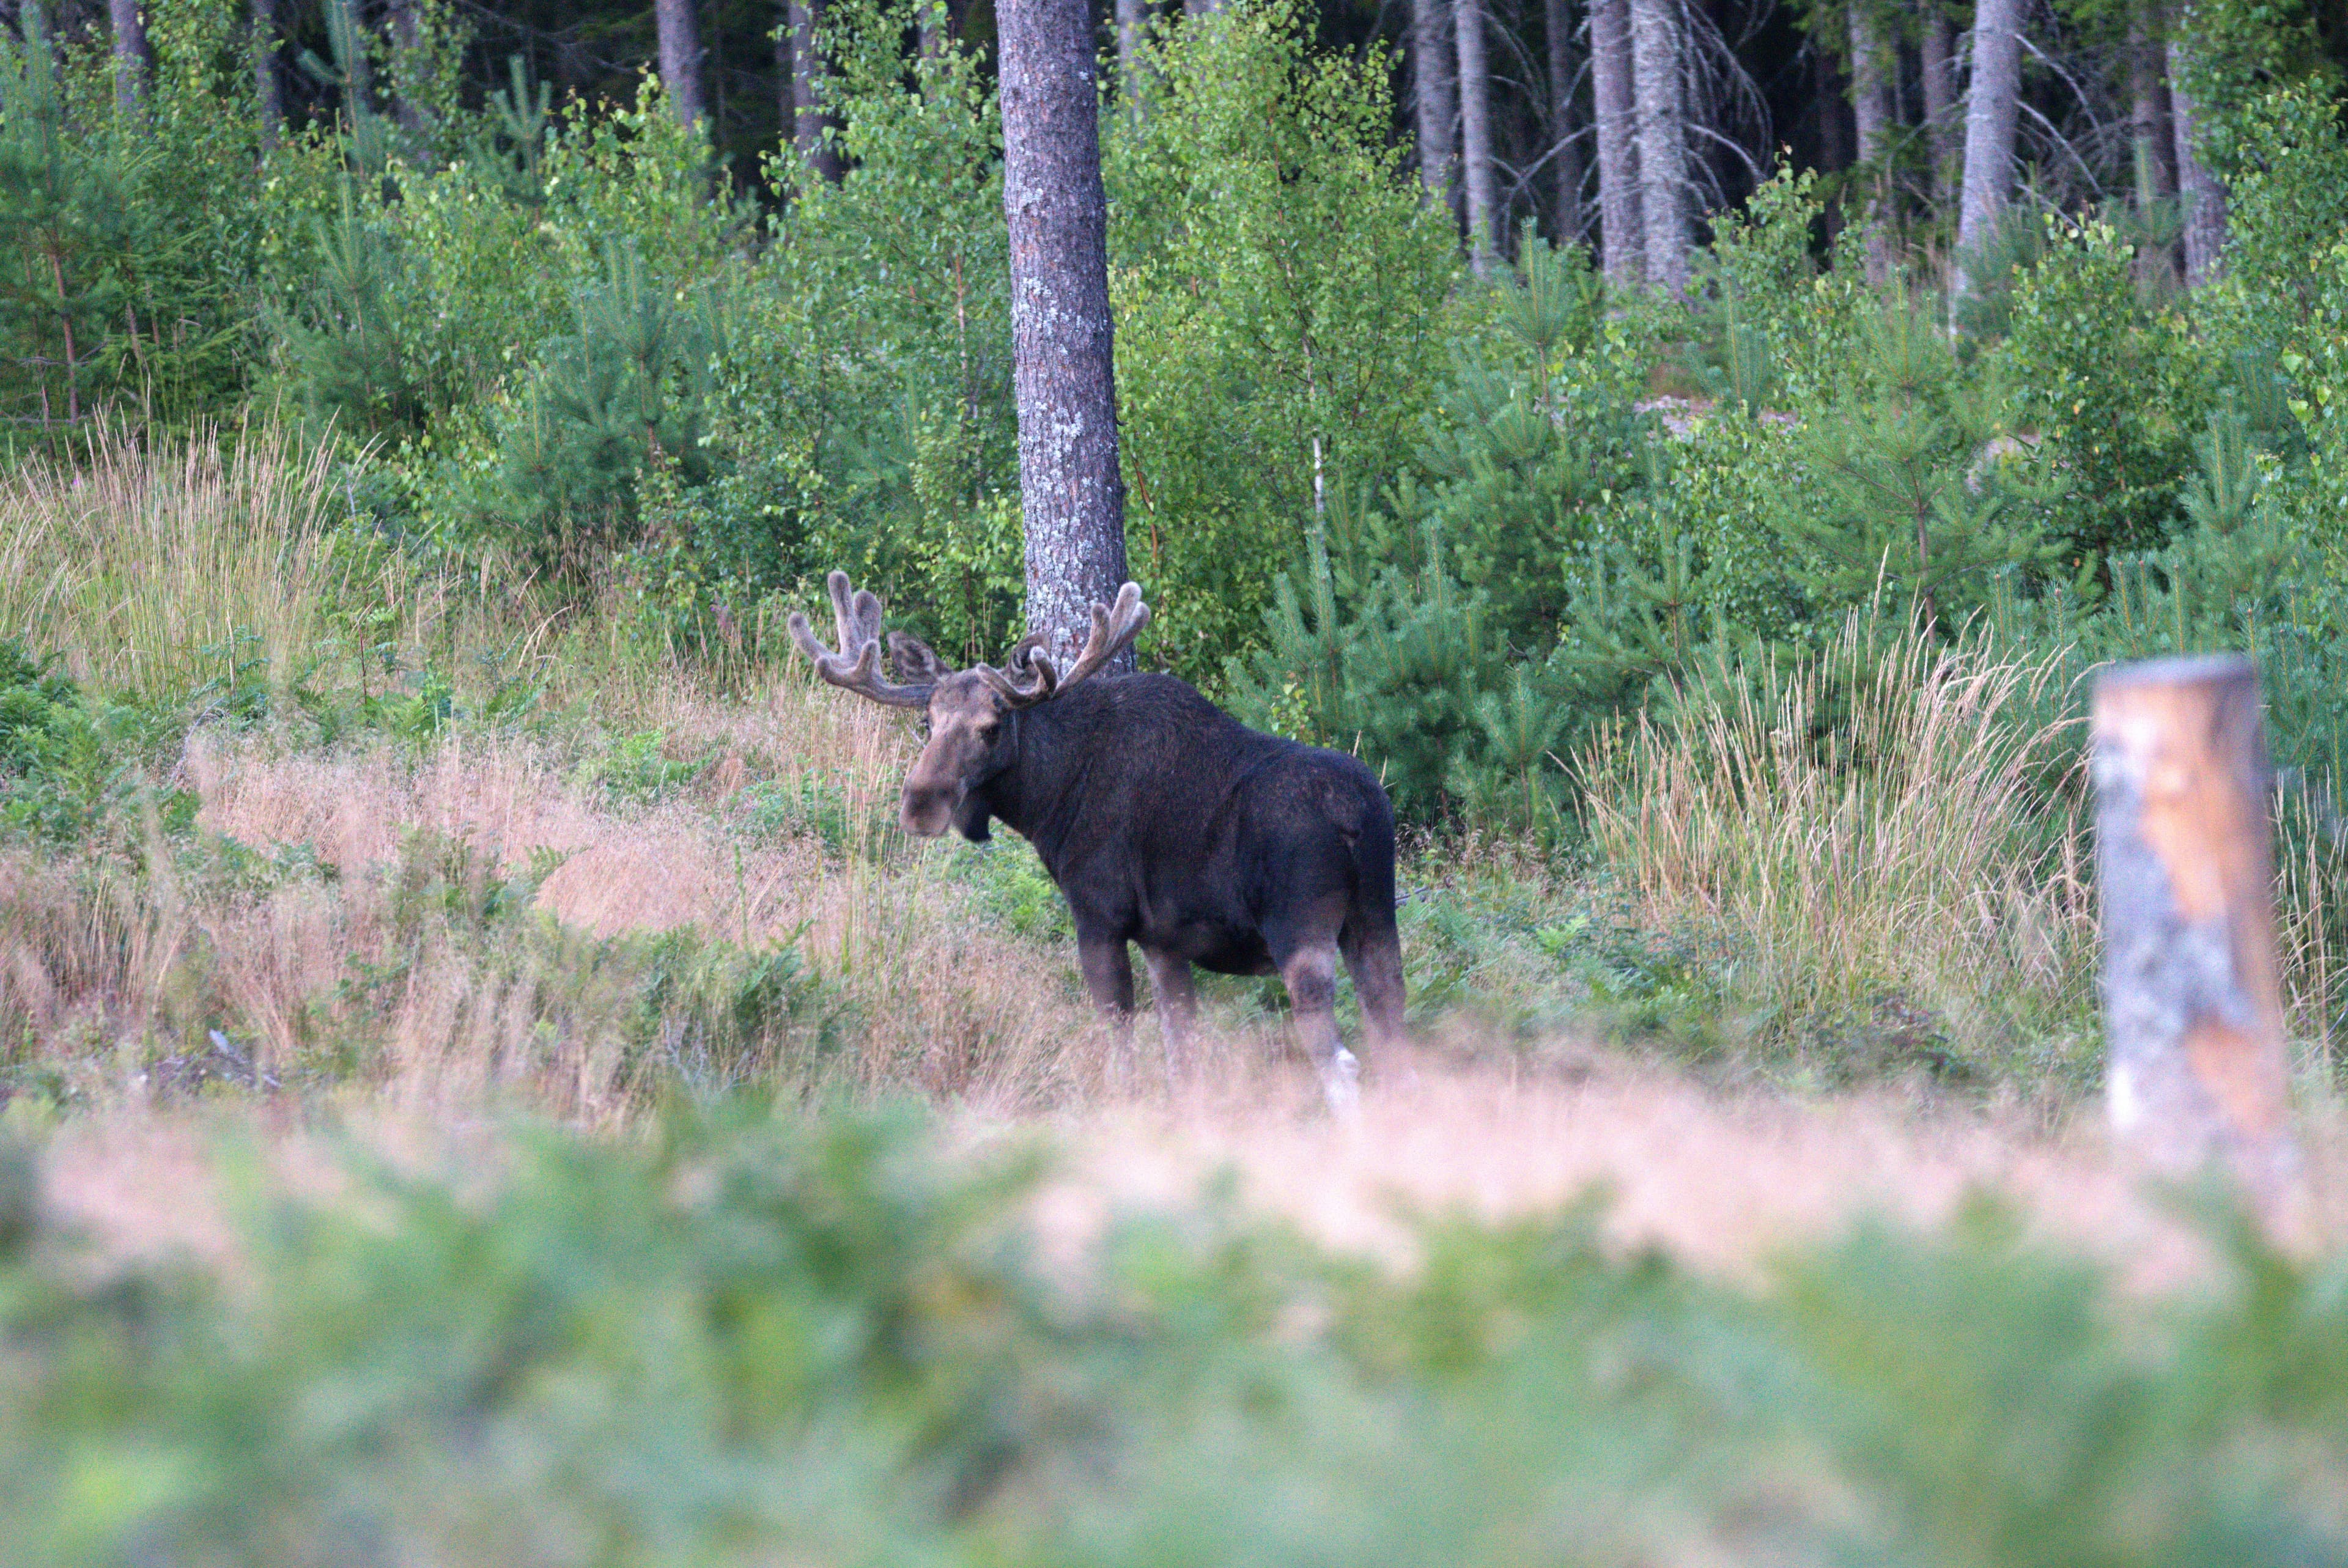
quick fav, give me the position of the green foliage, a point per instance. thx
(2112, 391)
(756, 1339)
(77, 249)
(1528, 450)
(1919, 490)
(623, 391)
(1422, 679)
(1280, 296)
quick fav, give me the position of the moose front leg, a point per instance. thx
(1108, 980)
(1108, 974)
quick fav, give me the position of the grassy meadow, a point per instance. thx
(480, 1087)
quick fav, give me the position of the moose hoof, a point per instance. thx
(1341, 1084)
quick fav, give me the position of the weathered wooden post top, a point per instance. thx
(2199, 1070)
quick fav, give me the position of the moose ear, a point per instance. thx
(915, 664)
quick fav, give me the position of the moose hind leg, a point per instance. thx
(1373, 958)
(1310, 975)
(1177, 1007)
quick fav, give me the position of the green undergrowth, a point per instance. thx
(811, 1338)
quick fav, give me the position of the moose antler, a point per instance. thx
(1029, 676)
(856, 666)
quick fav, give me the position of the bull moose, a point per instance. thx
(1162, 820)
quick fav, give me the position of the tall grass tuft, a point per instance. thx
(157, 571)
(1859, 830)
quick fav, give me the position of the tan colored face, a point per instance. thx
(966, 723)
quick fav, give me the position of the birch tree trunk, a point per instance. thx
(1475, 130)
(807, 117)
(133, 57)
(1434, 110)
(2199, 192)
(680, 57)
(1662, 146)
(267, 90)
(1566, 154)
(1132, 24)
(1624, 236)
(1937, 49)
(1063, 368)
(1870, 103)
(1991, 103)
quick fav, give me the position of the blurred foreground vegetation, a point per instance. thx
(751, 1340)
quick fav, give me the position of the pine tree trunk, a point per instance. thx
(2198, 191)
(1937, 49)
(1663, 146)
(808, 119)
(1624, 236)
(1434, 110)
(133, 58)
(1063, 366)
(358, 69)
(1870, 103)
(1991, 104)
(2156, 147)
(1475, 130)
(268, 92)
(1566, 154)
(680, 57)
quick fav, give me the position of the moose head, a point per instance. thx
(969, 714)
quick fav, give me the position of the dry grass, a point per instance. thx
(1857, 828)
(339, 917)
(153, 573)
(1724, 1182)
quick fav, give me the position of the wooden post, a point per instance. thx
(2198, 1069)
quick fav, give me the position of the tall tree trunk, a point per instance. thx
(1475, 130)
(2156, 147)
(1937, 55)
(1567, 155)
(1201, 7)
(268, 91)
(930, 29)
(1063, 365)
(680, 57)
(1871, 103)
(1433, 109)
(808, 119)
(133, 57)
(1132, 27)
(2198, 191)
(1663, 146)
(406, 64)
(1624, 236)
(1991, 104)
